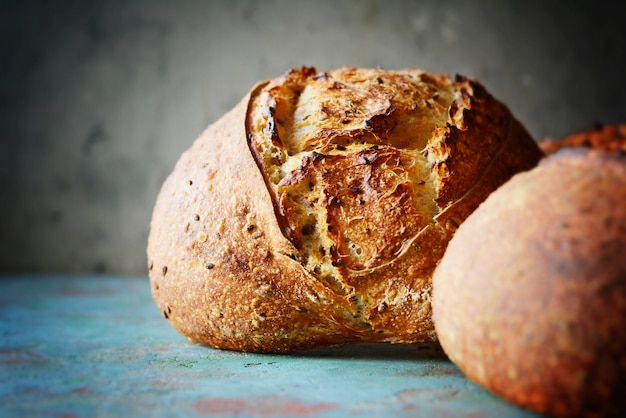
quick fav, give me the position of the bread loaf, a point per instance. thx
(530, 296)
(607, 137)
(314, 213)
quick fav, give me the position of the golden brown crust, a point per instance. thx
(609, 138)
(530, 297)
(314, 213)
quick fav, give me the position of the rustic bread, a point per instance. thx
(314, 213)
(609, 137)
(530, 297)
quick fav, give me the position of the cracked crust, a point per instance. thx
(314, 213)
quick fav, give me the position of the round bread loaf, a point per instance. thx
(314, 213)
(530, 296)
(607, 137)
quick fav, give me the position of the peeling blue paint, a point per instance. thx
(96, 345)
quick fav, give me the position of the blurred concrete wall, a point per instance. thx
(99, 98)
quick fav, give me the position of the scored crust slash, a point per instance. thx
(314, 213)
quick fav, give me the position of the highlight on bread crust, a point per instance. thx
(314, 213)
(530, 296)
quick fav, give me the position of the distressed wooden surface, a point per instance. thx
(87, 346)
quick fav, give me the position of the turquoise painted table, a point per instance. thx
(97, 346)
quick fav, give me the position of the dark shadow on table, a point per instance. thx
(378, 351)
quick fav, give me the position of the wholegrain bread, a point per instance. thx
(530, 296)
(314, 213)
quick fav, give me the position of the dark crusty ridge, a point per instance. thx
(607, 137)
(315, 212)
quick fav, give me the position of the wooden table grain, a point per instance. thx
(84, 346)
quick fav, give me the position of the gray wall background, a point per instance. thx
(99, 98)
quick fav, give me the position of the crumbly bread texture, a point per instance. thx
(530, 296)
(314, 213)
(609, 137)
